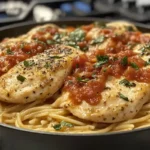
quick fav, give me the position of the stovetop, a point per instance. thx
(20, 11)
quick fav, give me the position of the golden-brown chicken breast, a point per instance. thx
(39, 77)
(122, 26)
(27, 37)
(100, 35)
(120, 100)
(111, 108)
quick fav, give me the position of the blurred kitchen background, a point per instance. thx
(12, 11)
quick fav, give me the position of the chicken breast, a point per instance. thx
(102, 41)
(39, 77)
(112, 107)
(27, 36)
(36, 29)
(118, 27)
(122, 26)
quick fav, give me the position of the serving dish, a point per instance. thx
(16, 139)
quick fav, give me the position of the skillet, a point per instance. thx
(12, 138)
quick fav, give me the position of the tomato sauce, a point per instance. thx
(90, 73)
(45, 33)
(20, 51)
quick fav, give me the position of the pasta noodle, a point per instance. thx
(43, 117)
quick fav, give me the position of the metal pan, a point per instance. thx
(12, 138)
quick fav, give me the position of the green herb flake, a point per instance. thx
(134, 65)
(129, 28)
(40, 42)
(21, 78)
(115, 58)
(147, 62)
(98, 40)
(131, 45)
(71, 43)
(79, 79)
(57, 38)
(49, 42)
(85, 49)
(101, 61)
(47, 65)
(9, 51)
(28, 52)
(145, 50)
(62, 124)
(127, 83)
(77, 36)
(55, 57)
(123, 97)
(124, 61)
(57, 126)
(28, 63)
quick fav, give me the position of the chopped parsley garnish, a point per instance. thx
(124, 61)
(84, 49)
(21, 78)
(145, 50)
(40, 42)
(47, 65)
(77, 36)
(55, 57)
(147, 62)
(62, 124)
(98, 40)
(28, 52)
(73, 44)
(79, 79)
(134, 65)
(101, 61)
(115, 58)
(126, 83)
(9, 51)
(130, 28)
(28, 63)
(131, 45)
(123, 97)
(57, 37)
(50, 42)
